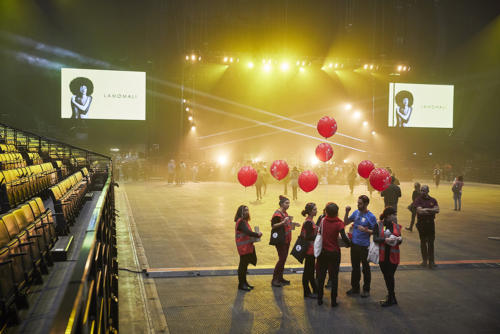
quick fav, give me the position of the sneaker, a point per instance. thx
(409, 229)
(432, 265)
(365, 294)
(352, 292)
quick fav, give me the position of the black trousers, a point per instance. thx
(359, 254)
(328, 260)
(427, 233)
(388, 269)
(413, 215)
(243, 267)
(308, 275)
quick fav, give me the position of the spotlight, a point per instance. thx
(187, 108)
(190, 118)
(430, 153)
(199, 58)
(285, 67)
(250, 65)
(222, 160)
(193, 128)
(193, 57)
(330, 65)
(187, 57)
(231, 59)
(365, 67)
(356, 115)
(414, 153)
(225, 59)
(184, 100)
(336, 65)
(371, 67)
(400, 68)
(346, 161)
(348, 106)
(365, 123)
(404, 68)
(301, 69)
(267, 67)
(374, 133)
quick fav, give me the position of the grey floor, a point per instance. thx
(192, 227)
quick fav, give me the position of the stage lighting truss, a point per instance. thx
(286, 63)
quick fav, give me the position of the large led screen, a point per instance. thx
(103, 94)
(420, 106)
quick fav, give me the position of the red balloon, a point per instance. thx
(308, 181)
(380, 179)
(324, 152)
(247, 176)
(327, 126)
(365, 167)
(279, 169)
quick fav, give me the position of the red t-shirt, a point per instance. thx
(331, 230)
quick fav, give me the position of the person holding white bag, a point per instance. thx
(328, 252)
(388, 235)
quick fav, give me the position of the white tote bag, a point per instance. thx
(373, 252)
(318, 242)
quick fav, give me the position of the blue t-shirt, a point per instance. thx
(368, 220)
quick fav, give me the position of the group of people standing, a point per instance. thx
(332, 231)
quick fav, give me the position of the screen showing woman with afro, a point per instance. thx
(82, 89)
(404, 103)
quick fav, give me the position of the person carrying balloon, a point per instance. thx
(244, 243)
(281, 236)
(364, 223)
(308, 233)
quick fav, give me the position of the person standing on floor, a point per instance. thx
(437, 176)
(294, 182)
(308, 233)
(427, 207)
(258, 184)
(244, 243)
(413, 209)
(457, 192)
(281, 220)
(391, 195)
(330, 228)
(351, 178)
(364, 223)
(388, 235)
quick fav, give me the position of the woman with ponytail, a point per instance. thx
(387, 234)
(308, 233)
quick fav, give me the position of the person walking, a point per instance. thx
(457, 192)
(427, 208)
(330, 228)
(388, 235)
(258, 184)
(244, 243)
(308, 233)
(281, 221)
(413, 209)
(364, 223)
(294, 182)
(391, 195)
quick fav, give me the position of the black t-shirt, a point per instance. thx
(391, 195)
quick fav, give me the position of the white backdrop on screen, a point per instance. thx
(420, 106)
(103, 94)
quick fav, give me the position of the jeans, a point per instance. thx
(308, 275)
(360, 254)
(457, 197)
(326, 260)
(280, 265)
(388, 269)
(427, 233)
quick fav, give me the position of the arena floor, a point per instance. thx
(189, 229)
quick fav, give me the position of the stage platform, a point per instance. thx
(177, 232)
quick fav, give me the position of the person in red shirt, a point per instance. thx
(244, 237)
(330, 229)
(281, 220)
(308, 233)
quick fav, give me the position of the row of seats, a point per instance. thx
(20, 184)
(27, 234)
(11, 160)
(68, 196)
(7, 148)
(35, 158)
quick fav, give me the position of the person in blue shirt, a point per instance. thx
(363, 224)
